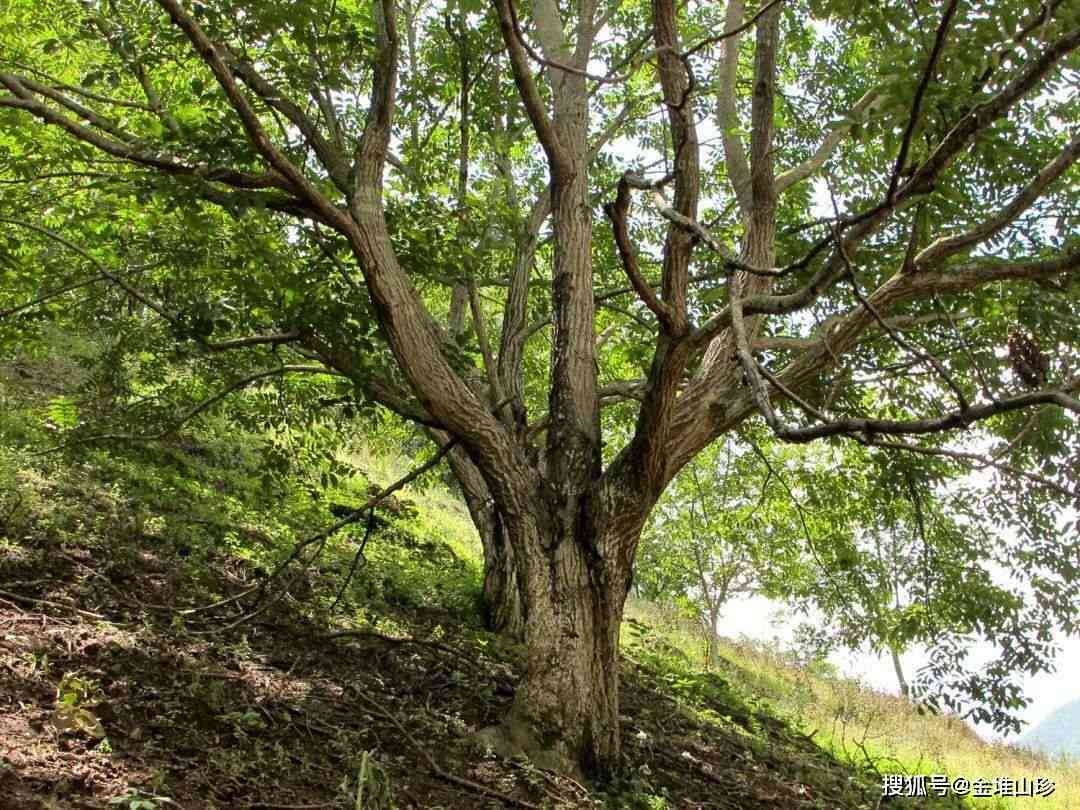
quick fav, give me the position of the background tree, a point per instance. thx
(700, 545)
(905, 557)
(338, 188)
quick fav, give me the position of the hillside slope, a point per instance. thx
(164, 644)
(1059, 733)
(115, 682)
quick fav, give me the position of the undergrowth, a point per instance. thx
(158, 651)
(882, 733)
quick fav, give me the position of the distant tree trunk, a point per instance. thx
(713, 618)
(905, 690)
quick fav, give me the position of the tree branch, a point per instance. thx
(212, 56)
(23, 99)
(979, 462)
(828, 145)
(948, 245)
(202, 407)
(738, 168)
(617, 213)
(920, 92)
(329, 155)
(530, 94)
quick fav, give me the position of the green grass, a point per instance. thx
(861, 725)
(208, 496)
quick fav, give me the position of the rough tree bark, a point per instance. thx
(560, 531)
(565, 715)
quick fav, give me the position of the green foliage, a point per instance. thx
(143, 277)
(652, 647)
(76, 697)
(895, 553)
(136, 799)
(225, 492)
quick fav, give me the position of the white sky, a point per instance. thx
(756, 617)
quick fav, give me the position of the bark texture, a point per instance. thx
(559, 530)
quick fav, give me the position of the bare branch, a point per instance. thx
(1062, 396)
(254, 340)
(480, 326)
(978, 462)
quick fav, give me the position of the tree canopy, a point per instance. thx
(575, 245)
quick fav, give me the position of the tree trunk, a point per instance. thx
(905, 690)
(565, 715)
(504, 610)
(710, 635)
(502, 604)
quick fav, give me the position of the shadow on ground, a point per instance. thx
(276, 712)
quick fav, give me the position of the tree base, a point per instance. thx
(514, 739)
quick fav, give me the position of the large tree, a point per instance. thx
(417, 191)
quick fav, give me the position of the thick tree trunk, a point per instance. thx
(565, 714)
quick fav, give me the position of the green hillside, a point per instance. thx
(157, 652)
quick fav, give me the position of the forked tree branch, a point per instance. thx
(328, 152)
(899, 339)
(984, 114)
(949, 245)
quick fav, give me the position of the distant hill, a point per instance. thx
(1057, 734)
